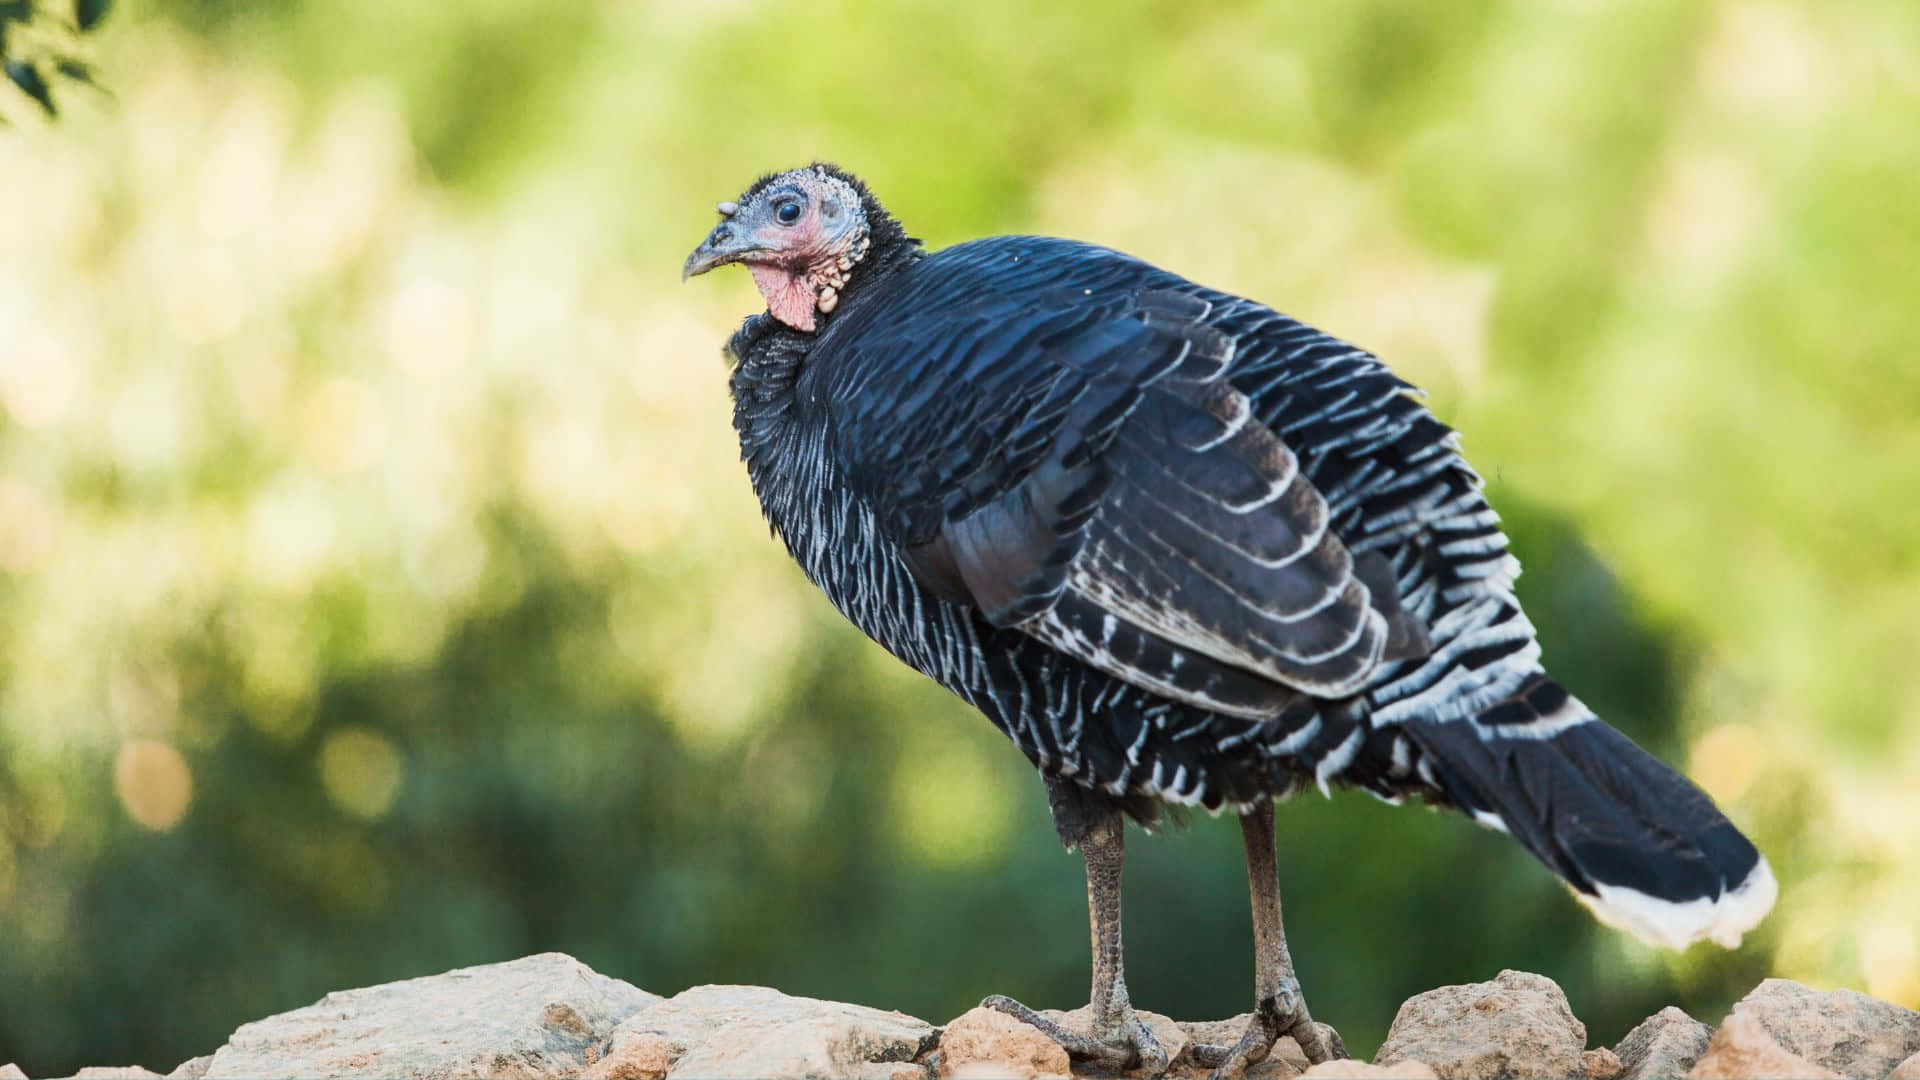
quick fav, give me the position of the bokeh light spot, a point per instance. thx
(344, 426)
(293, 531)
(26, 527)
(38, 381)
(1703, 215)
(207, 300)
(1726, 761)
(428, 329)
(153, 783)
(1890, 960)
(361, 771)
(449, 564)
(1766, 56)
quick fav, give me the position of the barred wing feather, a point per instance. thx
(1126, 507)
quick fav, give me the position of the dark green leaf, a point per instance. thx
(28, 79)
(76, 70)
(88, 13)
(19, 11)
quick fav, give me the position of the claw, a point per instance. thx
(1320, 1042)
(1282, 1014)
(1126, 1046)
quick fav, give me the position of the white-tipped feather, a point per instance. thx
(1490, 820)
(1671, 925)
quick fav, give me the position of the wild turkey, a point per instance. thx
(1181, 549)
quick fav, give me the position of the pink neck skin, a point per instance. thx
(789, 295)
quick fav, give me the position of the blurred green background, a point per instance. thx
(380, 591)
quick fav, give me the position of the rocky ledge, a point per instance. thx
(552, 1016)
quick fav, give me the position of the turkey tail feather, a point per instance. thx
(1641, 846)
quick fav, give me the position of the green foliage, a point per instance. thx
(380, 591)
(36, 43)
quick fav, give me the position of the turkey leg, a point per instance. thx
(1279, 1009)
(1118, 1039)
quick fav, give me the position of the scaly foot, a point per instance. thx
(1119, 1041)
(1282, 1013)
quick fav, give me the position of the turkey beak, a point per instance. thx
(727, 243)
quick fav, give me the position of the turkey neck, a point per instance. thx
(786, 443)
(785, 453)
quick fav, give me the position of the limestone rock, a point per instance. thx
(893, 1070)
(1847, 1032)
(1743, 1049)
(1349, 1069)
(751, 1031)
(987, 1042)
(551, 1016)
(534, 1017)
(192, 1069)
(1601, 1064)
(1664, 1045)
(1516, 1027)
(634, 1055)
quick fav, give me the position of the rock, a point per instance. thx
(1349, 1069)
(551, 1016)
(1847, 1032)
(686, 1019)
(10, 1071)
(1601, 1064)
(985, 1042)
(798, 1048)
(893, 1070)
(1743, 1048)
(634, 1055)
(534, 1017)
(1665, 1044)
(752, 1031)
(192, 1069)
(1517, 1026)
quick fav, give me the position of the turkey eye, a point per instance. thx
(787, 213)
